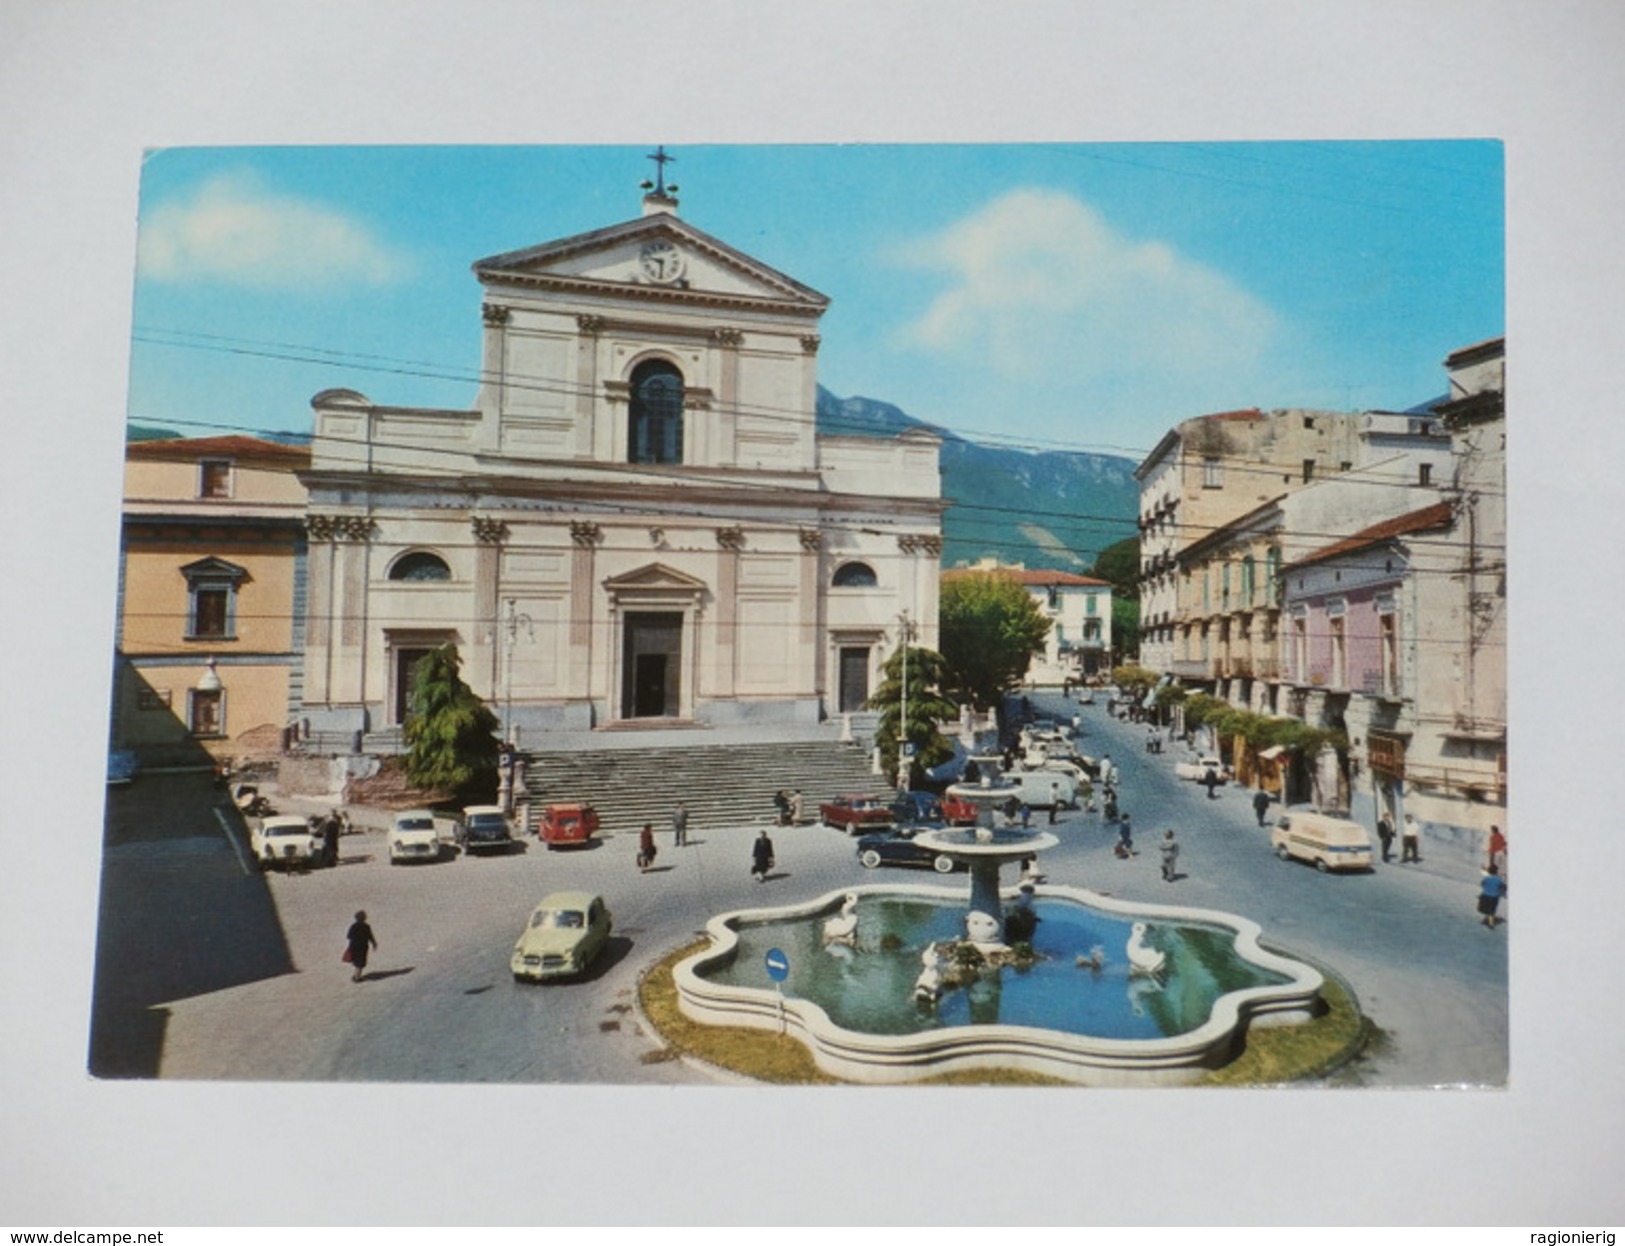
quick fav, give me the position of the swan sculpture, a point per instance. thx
(1142, 957)
(928, 986)
(843, 927)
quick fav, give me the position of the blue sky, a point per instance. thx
(1056, 296)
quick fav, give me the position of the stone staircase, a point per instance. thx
(722, 785)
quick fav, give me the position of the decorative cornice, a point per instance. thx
(725, 336)
(812, 540)
(489, 531)
(339, 527)
(731, 538)
(911, 544)
(585, 534)
(809, 343)
(591, 325)
(494, 313)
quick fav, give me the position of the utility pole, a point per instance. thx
(905, 754)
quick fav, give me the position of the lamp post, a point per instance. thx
(515, 621)
(905, 752)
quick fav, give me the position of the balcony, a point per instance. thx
(1194, 668)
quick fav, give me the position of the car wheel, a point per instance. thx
(943, 864)
(869, 859)
(1320, 864)
(1283, 853)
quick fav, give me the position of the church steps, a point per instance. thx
(722, 785)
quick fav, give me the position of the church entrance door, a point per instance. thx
(854, 679)
(651, 665)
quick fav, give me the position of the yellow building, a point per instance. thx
(211, 586)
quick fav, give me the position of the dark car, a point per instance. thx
(485, 829)
(897, 847)
(928, 809)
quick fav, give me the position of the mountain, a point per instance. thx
(1049, 510)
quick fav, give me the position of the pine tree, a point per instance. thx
(926, 708)
(451, 732)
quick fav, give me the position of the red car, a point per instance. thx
(854, 814)
(567, 824)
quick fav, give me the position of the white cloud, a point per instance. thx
(234, 229)
(1040, 287)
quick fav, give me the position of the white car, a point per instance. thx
(1200, 768)
(284, 841)
(413, 837)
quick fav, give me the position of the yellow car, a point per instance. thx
(565, 932)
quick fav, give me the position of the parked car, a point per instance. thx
(1199, 769)
(897, 847)
(485, 828)
(566, 931)
(853, 814)
(413, 836)
(284, 841)
(567, 824)
(1331, 843)
(928, 809)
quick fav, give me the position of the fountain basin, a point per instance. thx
(726, 984)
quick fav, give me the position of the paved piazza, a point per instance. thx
(258, 991)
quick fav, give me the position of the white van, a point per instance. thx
(1039, 789)
(1331, 843)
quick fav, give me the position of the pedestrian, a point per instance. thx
(679, 825)
(973, 773)
(1170, 856)
(1125, 837)
(761, 857)
(1385, 833)
(1027, 815)
(359, 941)
(646, 847)
(1210, 778)
(1077, 725)
(797, 806)
(1490, 892)
(1410, 841)
(1111, 805)
(1261, 805)
(781, 806)
(1498, 851)
(1054, 799)
(1108, 772)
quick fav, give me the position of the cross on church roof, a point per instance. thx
(661, 159)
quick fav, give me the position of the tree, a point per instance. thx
(991, 628)
(1119, 565)
(926, 708)
(451, 732)
(1126, 627)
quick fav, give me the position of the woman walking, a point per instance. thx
(359, 942)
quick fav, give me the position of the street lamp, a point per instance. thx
(514, 622)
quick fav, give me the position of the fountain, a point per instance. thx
(895, 1005)
(891, 983)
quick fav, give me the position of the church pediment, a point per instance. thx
(656, 577)
(657, 256)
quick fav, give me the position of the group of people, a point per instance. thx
(1410, 839)
(790, 807)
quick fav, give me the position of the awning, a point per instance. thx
(1271, 753)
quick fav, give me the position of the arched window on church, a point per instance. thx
(655, 434)
(855, 575)
(420, 566)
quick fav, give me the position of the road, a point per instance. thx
(208, 970)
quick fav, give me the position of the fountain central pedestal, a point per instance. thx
(984, 849)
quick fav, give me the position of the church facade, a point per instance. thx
(638, 524)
